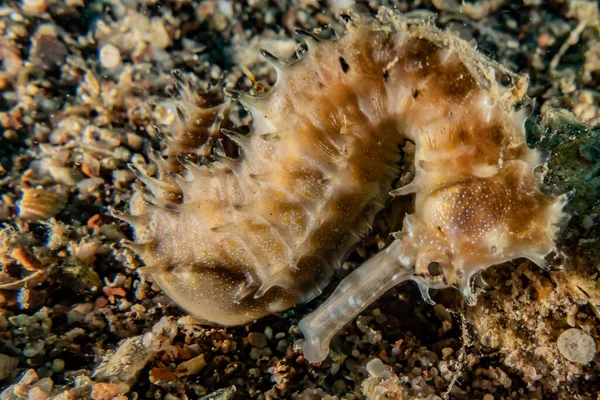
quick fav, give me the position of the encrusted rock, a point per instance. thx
(124, 366)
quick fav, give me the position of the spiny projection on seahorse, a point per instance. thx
(233, 239)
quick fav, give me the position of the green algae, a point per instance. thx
(574, 163)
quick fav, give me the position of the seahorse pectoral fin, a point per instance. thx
(424, 290)
(357, 291)
(146, 272)
(411, 187)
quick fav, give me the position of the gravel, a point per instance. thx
(84, 92)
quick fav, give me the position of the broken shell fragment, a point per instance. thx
(577, 346)
(40, 204)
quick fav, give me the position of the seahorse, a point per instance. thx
(232, 239)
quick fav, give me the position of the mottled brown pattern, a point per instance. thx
(258, 234)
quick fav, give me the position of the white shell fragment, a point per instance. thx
(110, 56)
(34, 7)
(377, 369)
(40, 204)
(577, 346)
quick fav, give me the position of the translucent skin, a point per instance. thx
(477, 199)
(235, 239)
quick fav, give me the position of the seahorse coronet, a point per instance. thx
(231, 239)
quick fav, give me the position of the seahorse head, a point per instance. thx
(464, 225)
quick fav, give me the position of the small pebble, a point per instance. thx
(268, 333)
(191, 367)
(255, 354)
(7, 365)
(110, 56)
(58, 365)
(577, 346)
(221, 394)
(281, 346)
(163, 377)
(37, 393)
(10, 134)
(257, 340)
(339, 387)
(266, 353)
(588, 222)
(545, 40)
(335, 367)
(47, 50)
(447, 351)
(377, 369)
(225, 346)
(34, 7)
(105, 391)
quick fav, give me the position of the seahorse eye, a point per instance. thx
(434, 268)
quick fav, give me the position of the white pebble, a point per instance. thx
(34, 7)
(58, 365)
(268, 332)
(577, 346)
(226, 7)
(377, 369)
(588, 222)
(110, 56)
(340, 5)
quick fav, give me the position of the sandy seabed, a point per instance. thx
(84, 91)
